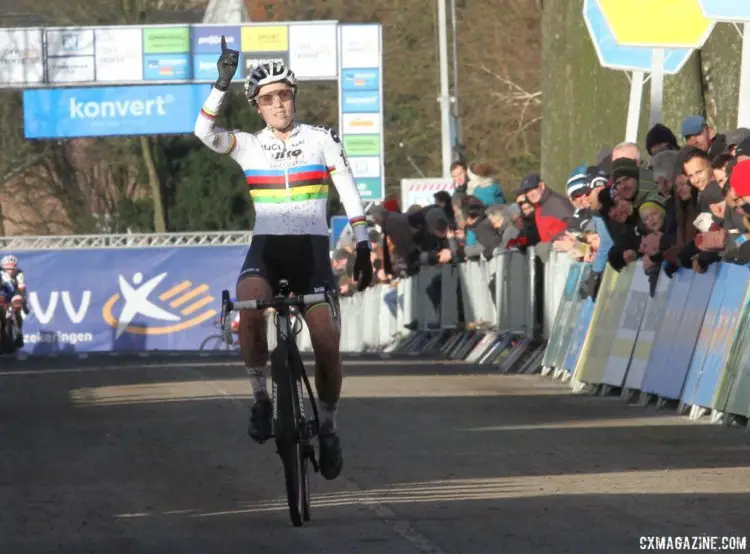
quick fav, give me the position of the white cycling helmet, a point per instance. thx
(9, 261)
(267, 73)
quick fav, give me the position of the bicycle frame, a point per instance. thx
(285, 336)
(293, 432)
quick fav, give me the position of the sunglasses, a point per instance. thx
(284, 95)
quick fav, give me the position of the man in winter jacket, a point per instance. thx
(551, 210)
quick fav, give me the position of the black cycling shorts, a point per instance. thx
(303, 260)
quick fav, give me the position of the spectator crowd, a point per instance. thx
(676, 204)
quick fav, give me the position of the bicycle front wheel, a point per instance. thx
(287, 435)
(213, 342)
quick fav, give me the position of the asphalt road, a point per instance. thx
(151, 456)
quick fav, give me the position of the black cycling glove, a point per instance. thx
(227, 64)
(362, 266)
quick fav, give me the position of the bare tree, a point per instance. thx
(500, 88)
(42, 163)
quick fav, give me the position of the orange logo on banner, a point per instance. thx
(179, 307)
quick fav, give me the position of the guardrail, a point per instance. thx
(496, 311)
(681, 341)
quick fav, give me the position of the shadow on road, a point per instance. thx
(156, 459)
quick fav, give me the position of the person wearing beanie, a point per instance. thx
(578, 191)
(652, 215)
(577, 188)
(656, 241)
(626, 179)
(659, 139)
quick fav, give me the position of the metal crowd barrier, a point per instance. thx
(485, 311)
(498, 311)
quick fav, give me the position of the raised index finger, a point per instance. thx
(223, 44)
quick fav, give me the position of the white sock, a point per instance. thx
(327, 415)
(258, 381)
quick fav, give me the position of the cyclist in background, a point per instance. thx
(287, 166)
(13, 291)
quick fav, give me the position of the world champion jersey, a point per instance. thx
(287, 180)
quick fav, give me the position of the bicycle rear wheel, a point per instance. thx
(286, 432)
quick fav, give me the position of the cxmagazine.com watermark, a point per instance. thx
(697, 543)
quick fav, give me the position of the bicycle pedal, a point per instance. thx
(314, 464)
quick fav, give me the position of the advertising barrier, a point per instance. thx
(567, 313)
(126, 299)
(683, 339)
(652, 318)
(361, 106)
(716, 336)
(636, 298)
(110, 111)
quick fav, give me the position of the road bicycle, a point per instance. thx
(10, 331)
(220, 341)
(292, 431)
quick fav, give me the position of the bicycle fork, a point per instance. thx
(306, 428)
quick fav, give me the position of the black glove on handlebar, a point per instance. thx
(362, 266)
(227, 64)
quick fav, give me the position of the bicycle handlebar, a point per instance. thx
(231, 305)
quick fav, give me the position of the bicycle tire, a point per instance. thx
(295, 361)
(217, 345)
(286, 432)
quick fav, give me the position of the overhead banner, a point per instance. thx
(361, 106)
(70, 55)
(21, 57)
(100, 111)
(206, 48)
(143, 58)
(266, 38)
(312, 51)
(125, 300)
(119, 55)
(142, 54)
